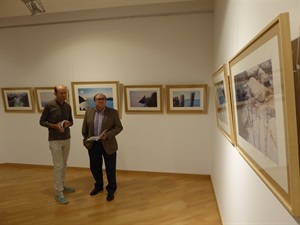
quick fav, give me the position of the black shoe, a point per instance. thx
(95, 191)
(110, 197)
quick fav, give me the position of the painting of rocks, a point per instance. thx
(255, 107)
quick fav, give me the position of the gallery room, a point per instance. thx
(207, 92)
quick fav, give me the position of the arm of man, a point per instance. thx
(69, 121)
(44, 120)
(87, 128)
(84, 128)
(113, 125)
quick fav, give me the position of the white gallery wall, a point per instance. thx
(163, 49)
(242, 197)
(139, 50)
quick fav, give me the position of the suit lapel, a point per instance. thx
(106, 111)
(92, 118)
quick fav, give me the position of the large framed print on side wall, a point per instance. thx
(296, 69)
(143, 98)
(84, 92)
(187, 98)
(18, 99)
(223, 103)
(264, 110)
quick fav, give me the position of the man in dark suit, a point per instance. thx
(104, 122)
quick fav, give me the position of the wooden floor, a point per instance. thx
(26, 197)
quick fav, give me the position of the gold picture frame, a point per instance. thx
(264, 110)
(143, 98)
(221, 89)
(187, 98)
(43, 95)
(18, 99)
(83, 93)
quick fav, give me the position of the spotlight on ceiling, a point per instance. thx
(34, 6)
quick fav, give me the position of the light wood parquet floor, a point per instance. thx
(26, 198)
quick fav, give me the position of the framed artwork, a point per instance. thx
(18, 99)
(223, 102)
(187, 98)
(296, 69)
(84, 92)
(143, 98)
(43, 95)
(264, 110)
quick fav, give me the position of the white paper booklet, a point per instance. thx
(97, 138)
(62, 124)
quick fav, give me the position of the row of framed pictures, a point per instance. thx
(256, 110)
(138, 98)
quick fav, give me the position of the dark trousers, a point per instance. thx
(95, 154)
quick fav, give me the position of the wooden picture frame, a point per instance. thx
(43, 95)
(143, 98)
(296, 69)
(18, 99)
(187, 98)
(83, 93)
(265, 113)
(221, 89)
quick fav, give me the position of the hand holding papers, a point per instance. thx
(97, 138)
(63, 125)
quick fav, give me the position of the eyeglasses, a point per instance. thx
(99, 99)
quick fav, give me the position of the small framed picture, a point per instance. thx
(18, 99)
(43, 95)
(187, 98)
(223, 103)
(143, 98)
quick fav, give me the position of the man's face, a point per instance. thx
(61, 94)
(100, 101)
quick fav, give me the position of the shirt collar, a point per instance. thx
(100, 112)
(58, 102)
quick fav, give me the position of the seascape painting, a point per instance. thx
(86, 97)
(143, 98)
(46, 97)
(84, 92)
(186, 99)
(190, 98)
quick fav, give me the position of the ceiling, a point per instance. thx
(14, 8)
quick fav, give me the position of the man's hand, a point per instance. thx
(62, 125)
(104, 137)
